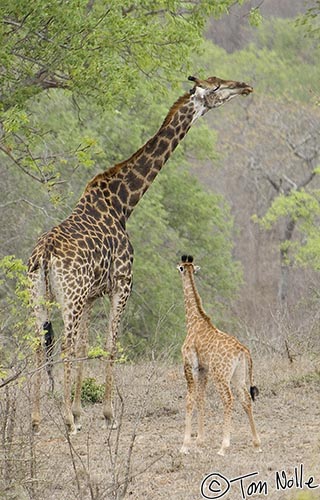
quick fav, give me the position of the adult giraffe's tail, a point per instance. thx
(39, 264)
(254, 391)
(47, 325)
(48, 346)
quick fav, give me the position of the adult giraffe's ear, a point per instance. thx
(196, 269)
(193, 79)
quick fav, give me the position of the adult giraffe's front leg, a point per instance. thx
(118, 299)
(81, 353)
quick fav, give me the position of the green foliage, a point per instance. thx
(255, 17)
(309, 252)
(94, 51)
(16, 325)
(97, 351)
(15, 317)
(176, 216)
(304, 209)
(301, 206)
(14, 269)
(310, 21)
(91, 391)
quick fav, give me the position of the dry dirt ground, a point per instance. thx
(142, 457)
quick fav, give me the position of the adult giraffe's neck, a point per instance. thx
(130, 179)
(192, 299)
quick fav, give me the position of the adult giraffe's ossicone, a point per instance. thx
(89, 254)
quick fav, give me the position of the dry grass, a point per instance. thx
(141, 460)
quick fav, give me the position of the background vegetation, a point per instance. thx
(66, 106)
(74, 100)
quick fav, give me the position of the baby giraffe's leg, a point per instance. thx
(189, 408)
(247, 406)
(201, 393)
(227, 400)
(239, 379)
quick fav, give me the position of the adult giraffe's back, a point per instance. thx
(89, 254)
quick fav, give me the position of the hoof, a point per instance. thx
(257, 445)
(71, 429)
(36, 429)
(51, 386)
(199, 443)
(77, 423)
(184, 450)
(111, 423)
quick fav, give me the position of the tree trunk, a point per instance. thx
(285, 264)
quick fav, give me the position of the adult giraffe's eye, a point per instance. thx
(217, 88)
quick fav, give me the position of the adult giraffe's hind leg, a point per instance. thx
(36, 387)
(118, 300)
(72, 321)
(41, 316)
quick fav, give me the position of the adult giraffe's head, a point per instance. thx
(213, 92)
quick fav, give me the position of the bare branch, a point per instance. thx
(15, 375)
(23, 200)
(307, 180)
(18, 164)
(291, 182)
(273, 183)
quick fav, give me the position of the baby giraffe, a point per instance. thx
(209, 353)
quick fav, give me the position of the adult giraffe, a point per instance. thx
(89, 254)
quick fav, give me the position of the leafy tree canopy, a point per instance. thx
(303, 208)
(310, 21)
(101, 53)
(97, 49)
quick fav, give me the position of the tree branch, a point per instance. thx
(18, 164)
(307, 180)
(273, 183)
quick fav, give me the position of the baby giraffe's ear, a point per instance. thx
(196, 269)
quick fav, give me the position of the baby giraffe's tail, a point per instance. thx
(254, 391)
